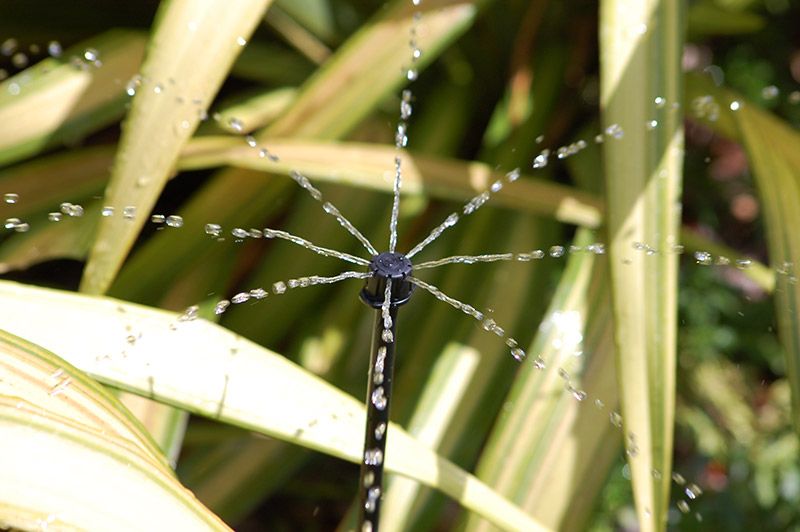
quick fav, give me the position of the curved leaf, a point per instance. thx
(176, 89)
(71, 456)
(364, 165)
(204, 368)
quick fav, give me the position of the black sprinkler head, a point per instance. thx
(385, 266)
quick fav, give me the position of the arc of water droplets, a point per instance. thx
(401, 137)
(387, 335)
(398, 180)
(464, 259)
(488, 324)
(302, 242)
(329, 208)
(470, 207)
(278, 288)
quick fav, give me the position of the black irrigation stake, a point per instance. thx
(392, 269)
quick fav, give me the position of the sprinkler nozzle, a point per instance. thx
(385, 266)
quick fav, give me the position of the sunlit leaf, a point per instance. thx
(175, 91)
(640, 58)
(365, 165)
(60, 101)
(72, 457)
(151, 352)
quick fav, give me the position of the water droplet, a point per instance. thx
(373, 457)
(380, 430)
(599, 404)
(734, 106)
(190, 314)
(213, 229)
(651, 124)
(251, 141)
(557, 251)
(405, 110)
(236, 125)
(371, 504)
(615, 419)
(379, 399)
(693, 491)
(54, 49)
(158, 88)
(91, 55)
(174, 220)
(705, 107)
(518, 354)
(54, 216)
(400, 137)
(412, 74)
(615, 131)
(12, 223)
(579, 395)
(241, 297)
(221, 306)
(158, 218)
(683, 506)
(770, 92)
(369, 479)
(538, 363)
(258, 293)
(8, 46)
(540, 161)
(11, 198)
(22, 227)
(279, 287)
(597, 248)
(129, 212)
(703, 257)
(366, 526)
(743, 263)
(238, 232)
(660, 101)
(678, 479)
(241, 41)
(387, 336)
(71, 210)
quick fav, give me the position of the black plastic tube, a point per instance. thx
(379, 392)
(386, 268)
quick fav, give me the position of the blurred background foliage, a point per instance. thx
(522, 77)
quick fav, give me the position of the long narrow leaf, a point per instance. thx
(72, 457)
(365, 165)
(175, 91)
(640, 94)
(771, 147)
(62, 100)
(152, 352)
